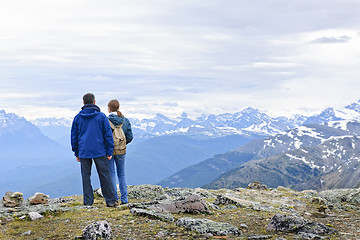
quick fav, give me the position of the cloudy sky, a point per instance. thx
(196, 56)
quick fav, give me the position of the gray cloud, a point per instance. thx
(342, 39)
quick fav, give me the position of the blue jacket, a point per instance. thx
(126, 127)
(91, 134)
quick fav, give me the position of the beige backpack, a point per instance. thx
(119, 139)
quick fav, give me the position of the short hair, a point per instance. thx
(89, 98)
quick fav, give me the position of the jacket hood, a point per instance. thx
(89, 111)
(116, 120)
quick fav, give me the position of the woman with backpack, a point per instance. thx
(122, 135)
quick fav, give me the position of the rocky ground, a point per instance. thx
(180, 213)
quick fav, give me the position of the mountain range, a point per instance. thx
(222, 169)
(206, 151)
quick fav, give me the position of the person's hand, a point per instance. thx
(78, 159)
(109, 157)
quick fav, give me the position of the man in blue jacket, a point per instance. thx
(92, 139)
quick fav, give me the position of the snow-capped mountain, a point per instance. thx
(11, 123)
(248, 121)
(333, 164)
(349, 112)
(55, 122)
(209, 170)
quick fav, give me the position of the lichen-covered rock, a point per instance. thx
(342, 195)
(152, 214)
(38, 198)
(286, 223)
(60, 200)
(146, 191)
(228, 200)
(12, 199)
(35, 216)
(259, 237)
(185, 192)
(257, 186)
(190, 204)
(296, 224)
(97, 230)
(318, 200)
(311, 236)
(231, 200)
(207, 226)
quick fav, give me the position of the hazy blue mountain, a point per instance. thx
(23, 143)
(54, 128)
(151, 160)
(27, 156)
(333, 164)
(156, 158)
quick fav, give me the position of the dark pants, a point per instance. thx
(102, 168)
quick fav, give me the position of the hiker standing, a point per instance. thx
(91, 139)
(122, 135)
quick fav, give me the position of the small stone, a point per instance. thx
(96, 230)
(22, 217)
(259, 237)
(243, 225)
(35, 216)
(38, 198)
(162, 234)
(27, 233)
(8, 219)
(13, 210)
(208, 235)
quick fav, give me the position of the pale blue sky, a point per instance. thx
(280, 56)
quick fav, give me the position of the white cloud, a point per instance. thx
(204, 56)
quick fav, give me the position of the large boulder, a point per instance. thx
(257, 186)
(190, 204)
(342, 195)
(35, 216)
(185, 192)
(146, 191)
(297, 224)
(12, 199)
(208, 226)
(38, 198)
(167, 217)
(97, 230)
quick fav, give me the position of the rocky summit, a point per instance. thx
(255, 212)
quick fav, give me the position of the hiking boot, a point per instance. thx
(113, 204)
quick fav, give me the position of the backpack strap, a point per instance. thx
(113, 126)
